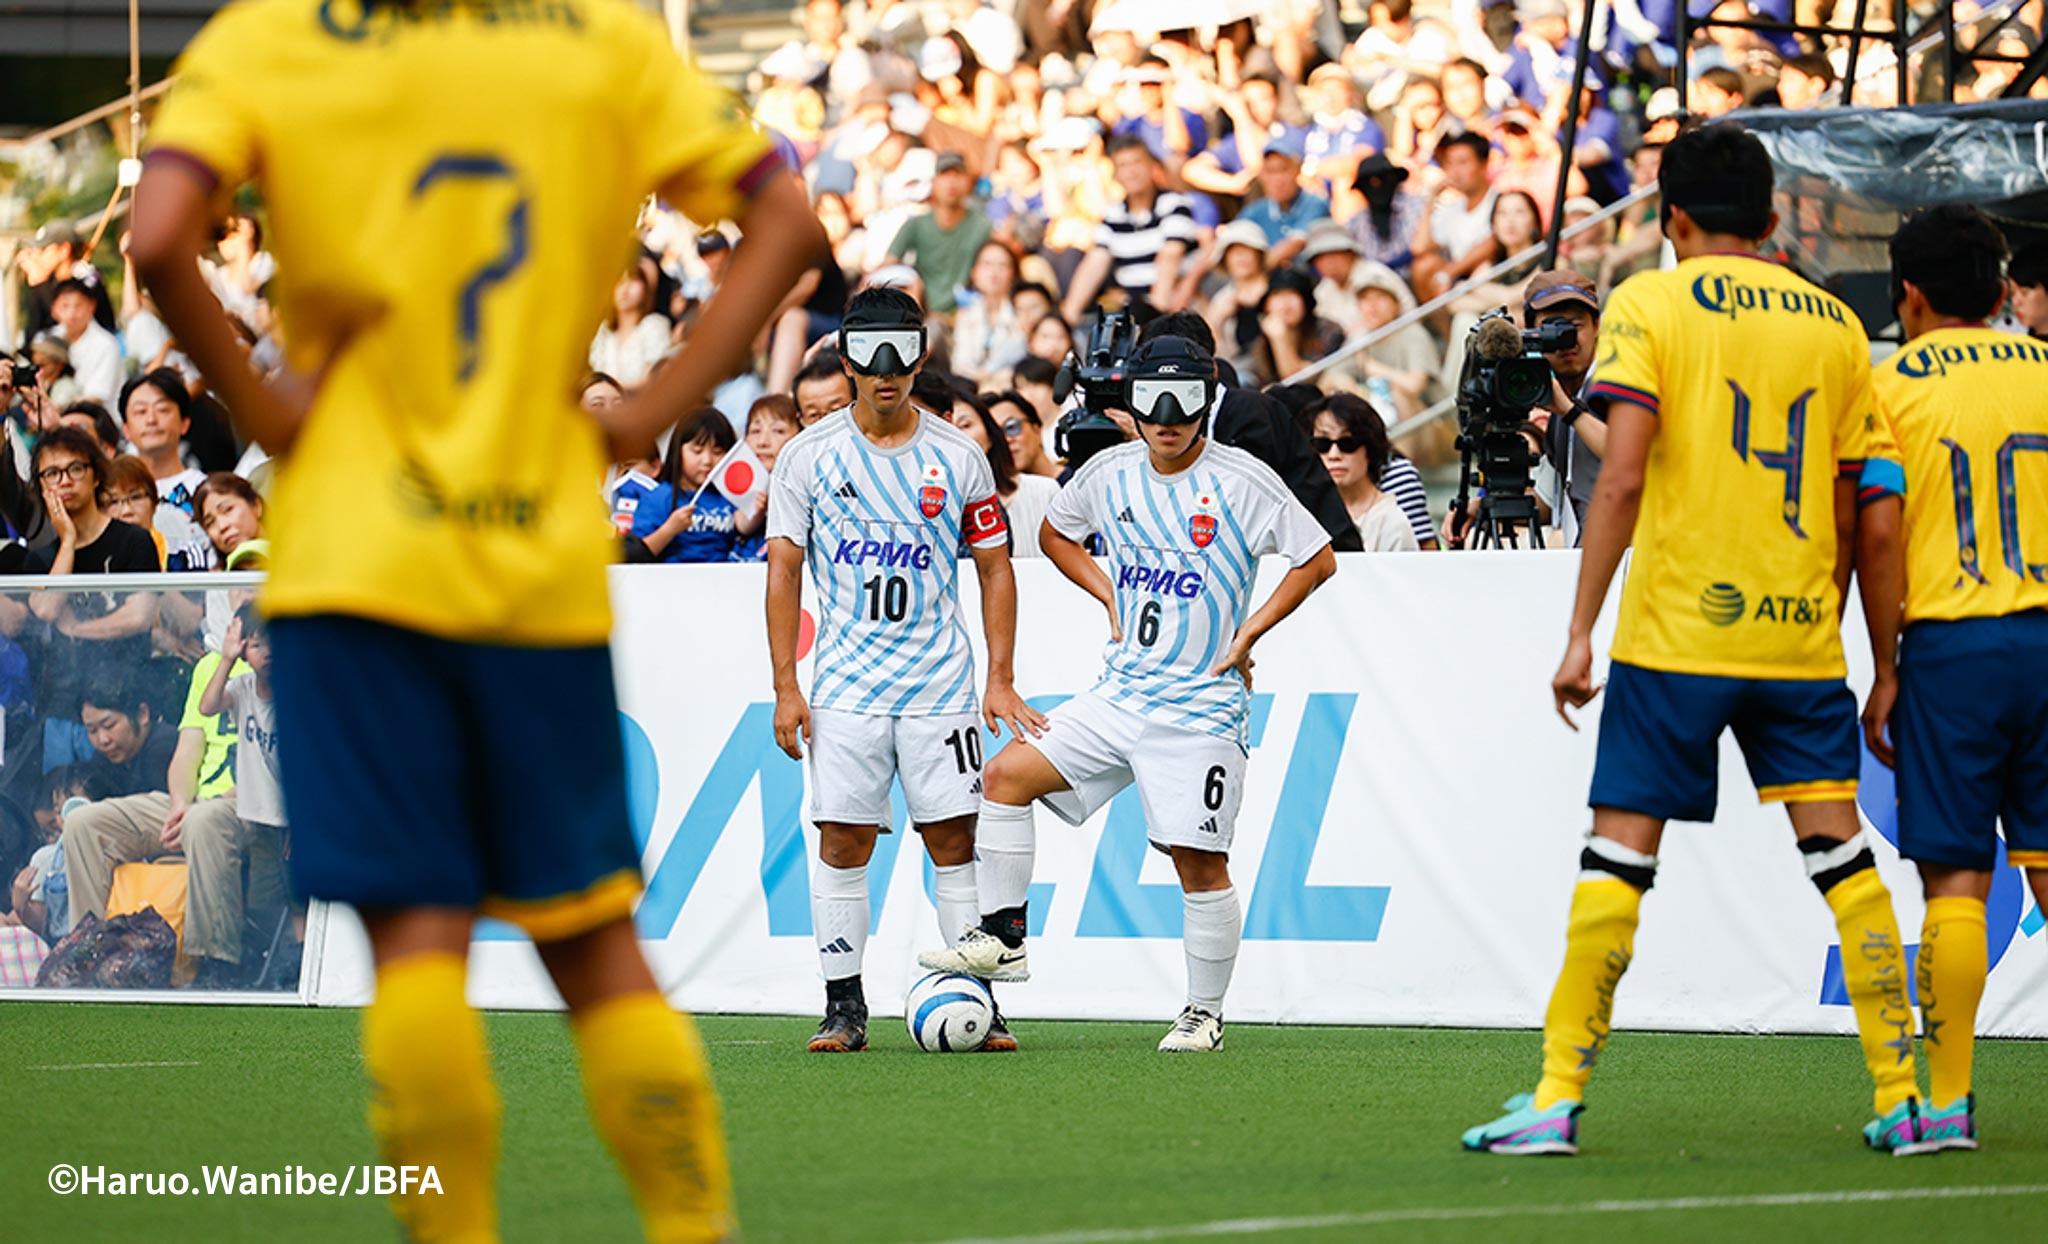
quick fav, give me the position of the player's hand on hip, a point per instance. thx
(1573, 683)
(1003, 704)
(1877, 719)
(792, 723)
(1116, 626)
(1238, 659)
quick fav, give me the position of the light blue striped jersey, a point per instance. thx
(881, 530)
(1183, 552)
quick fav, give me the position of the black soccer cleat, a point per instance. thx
(1000, 1040)
(844, 1030)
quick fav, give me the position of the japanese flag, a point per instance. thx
(741, 477)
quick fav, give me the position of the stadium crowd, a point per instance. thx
(1271, 188)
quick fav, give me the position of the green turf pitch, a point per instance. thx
(1087, 1135)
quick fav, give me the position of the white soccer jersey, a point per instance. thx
(882, 531)
(1183, 553)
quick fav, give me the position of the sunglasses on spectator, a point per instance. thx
(1343, 445)
(70, 470)
(1013, 427)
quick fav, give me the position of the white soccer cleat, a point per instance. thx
(979, 953)
(1195, 1032)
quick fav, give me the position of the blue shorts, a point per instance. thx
(420, 771)
(1660, 740)
(1971, 731)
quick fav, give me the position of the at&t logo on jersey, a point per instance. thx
(1723, 604)
(1160, 580)
(932, 497)
(883, 553)
(1202, 523)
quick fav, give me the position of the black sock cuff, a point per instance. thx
(1848, 859)
(1006, 925)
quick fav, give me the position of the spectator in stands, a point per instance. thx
(1574, 436)
(1291, 334)
(1341, 135)
(1032, 302)
(1024, 430)
(1332, 254)
(771, 421)
(1421, 121)
(1716, 93)
(822, 387)
(240, 688)
(130, 497)
(94, 352)
(1803, 80)
(1025, 497)
(942, 244)
(1385, 226)
(1284, 211)
(1171, 133)
(704, 526)
(1394, 373)
(849, 240)
(53, 256)
(1529, 160)
(230, 512)
(1140, 245)
(634, 336)
(1541, 62)
(1455, 237)
(72, 474)
(1585, 252)
(92, 417)
(1464, 85)
(1052, 339)
(1351, 439)
(2029, 273)
(1034, 382)
(156, 412)
(1231, 164)
(1233, 310)
(1262, 427)
(51, 355)
(244, 267)
(987, 335)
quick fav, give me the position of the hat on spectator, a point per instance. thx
(1240, 233)
(1536, 10)
(1327, 237)
(1330, 69)
(949, 162)
(938, 58)
(1286, 145)
(1663, 104)
(57, 232)
(1557, 287)
(1370, 275)
(1581, 203)
(792, 61)
(53, 344)
(1377, 165)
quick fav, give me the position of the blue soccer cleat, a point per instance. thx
(1901, 1132)
(1951, 1127)
(1525, 1130)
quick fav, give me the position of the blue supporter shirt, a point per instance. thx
(1335, 137)
(1154, 133)
(713, 533)
(1226, 153)
(1281, 223)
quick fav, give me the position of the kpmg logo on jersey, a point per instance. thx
(1202, 523)
(1727, 295)
(1723, 604)
(883, 553)
(1160, 580)
(932, 497)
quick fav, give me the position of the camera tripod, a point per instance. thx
(1501, 521)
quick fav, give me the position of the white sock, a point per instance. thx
(954, 891)
(1005, 848)
(839, 917)
(1210, 942)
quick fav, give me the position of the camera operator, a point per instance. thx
(1576, 438)
(1249, 420)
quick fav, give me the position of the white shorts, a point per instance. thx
(1191, 784)
(854, 756)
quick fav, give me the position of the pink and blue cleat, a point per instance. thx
(1902, 1132)
(1527, 1131)
(1951, 1127)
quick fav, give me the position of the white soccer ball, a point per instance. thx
(948, 1013)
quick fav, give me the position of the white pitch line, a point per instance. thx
(104, 1066)
(1375, 1218)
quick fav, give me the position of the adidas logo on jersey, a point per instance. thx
(1127, 516)
(848, 491)
(977, 787)
(839, 946)
(1209, 826)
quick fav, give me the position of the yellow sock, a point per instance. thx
(432, 1100)
(1874, 972)
(1598, 947)
(1954, 958)
(650, 1094)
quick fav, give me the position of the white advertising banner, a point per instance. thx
(1408, 842)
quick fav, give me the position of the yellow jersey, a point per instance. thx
(451, 189)
(1968, 411)
(1761, 385)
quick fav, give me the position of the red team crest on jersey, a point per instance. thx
(1202, 523)
(932, 497)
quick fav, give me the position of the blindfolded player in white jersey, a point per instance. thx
(876, 500)
(1183, 522)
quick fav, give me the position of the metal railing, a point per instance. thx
(1367, 340)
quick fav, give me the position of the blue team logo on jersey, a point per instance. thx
(932, 497)
(1202, 523)
(1723, 604)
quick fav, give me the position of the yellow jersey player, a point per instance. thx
(1963, 404)
(450, 187)
(1738, 413)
